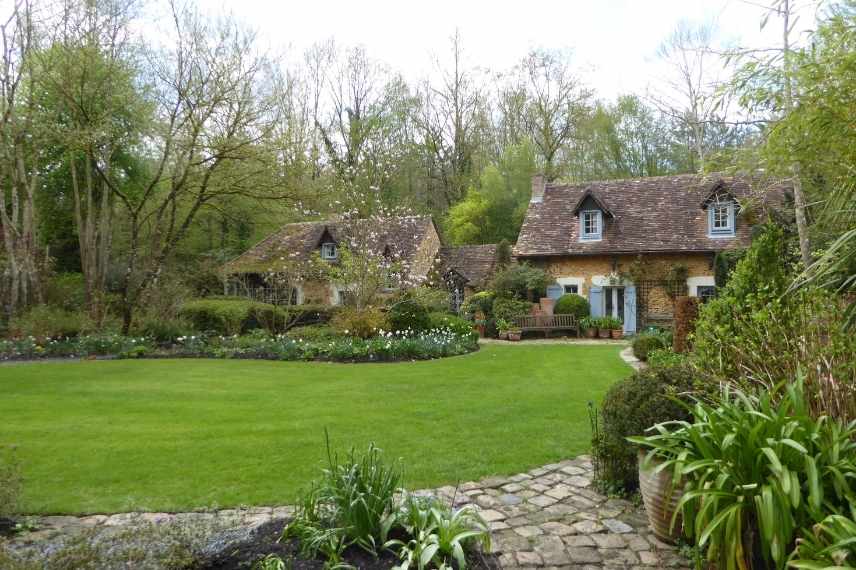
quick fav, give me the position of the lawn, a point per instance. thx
(179, 434)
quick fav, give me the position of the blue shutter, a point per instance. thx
(555, 291)
(596, 301)
(629, 309)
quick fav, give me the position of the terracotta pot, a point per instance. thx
(503, 335)
(604, 333)
(590, 332)
(661, 500)
(514, 335)
(617, 333)
(481, 330)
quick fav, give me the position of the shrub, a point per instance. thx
(45, 321)
(162, 330)
(665, 357)
(66, 290)
(828, 544)
(629, 408)
(361, 323)
(644, 343)
(433, 299)
(756, 470)
(313, 333)
(572, 304)
(10, 482)
(686, 313)
(408, 314)
(521, 281)
(510, 309)
(233, 316)
(479, 302)
(457, 325)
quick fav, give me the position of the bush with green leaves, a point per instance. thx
(510, 309)
(644, 343)
(162, 330)
(360, 323)
(664, 357)
(829, 544)
(456, 325)
(313, 333)
(46, 321)
(755, 471)
(230, 316)
(66, 290)
(408, 314)
(630, 407)
(572, 304)
(481, 302)
(521, 281)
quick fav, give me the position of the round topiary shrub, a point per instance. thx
(408, 314)
(572, 304)
(644, 343)
(629, 408)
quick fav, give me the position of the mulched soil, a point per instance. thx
(263, 541)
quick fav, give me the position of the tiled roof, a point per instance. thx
(299, 241)
(475, 263)
(657, 214)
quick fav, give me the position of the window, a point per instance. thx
(329, 251)
(575, 289)
(706, 292)
(721, 218)
(590, 225)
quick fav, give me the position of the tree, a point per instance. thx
(21, 145)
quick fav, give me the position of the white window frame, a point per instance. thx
(591, 236)
(728, 230)
(565, 281)
(326, 248)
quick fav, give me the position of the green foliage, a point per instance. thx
(66, 290)
(313, 333)
(452, 323)
(493, 211)
(630, 407)
(45, 321)
(408, 314)
(360, 323)
(440, 536)
(433, 299)
(609, 323)
(644, 343)
(162, 330)
(479, 302)
(11, 482)
(572, 304)
(521, 281)
(756, 470)
(831, 543)
(352, 503)
(724, 263)
(509, 309)
(231, 316)
(665, 357)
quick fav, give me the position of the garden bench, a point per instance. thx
(548, 323)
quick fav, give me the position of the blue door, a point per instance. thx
(629, 309)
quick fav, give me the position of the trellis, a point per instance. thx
(674, 288)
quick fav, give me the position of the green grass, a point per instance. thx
(180, 434)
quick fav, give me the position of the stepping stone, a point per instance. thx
(512, 488)
(510, 499)
(542, 501)
(529, 558)
(584, 555)
(609, 541)
(556, 528)
(617, 526)
(577, 540)
(528, 531)
(587, 527)
(491, 515)
(552, 550)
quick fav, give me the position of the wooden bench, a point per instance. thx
(548, 323)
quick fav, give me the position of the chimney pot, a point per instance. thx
(538, 186)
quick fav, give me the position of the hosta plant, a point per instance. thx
(829, 544)
(756, 470)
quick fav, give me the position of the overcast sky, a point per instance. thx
(613, 41)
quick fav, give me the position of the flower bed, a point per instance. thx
(385, 347)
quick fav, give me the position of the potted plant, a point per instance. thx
(589, 326)
(481, 323)
(617, 328)
(603, 327)
(502, 326)
(514, 334)
(661, 498)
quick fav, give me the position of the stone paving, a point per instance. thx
(549, 517)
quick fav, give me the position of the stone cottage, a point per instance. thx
(632, 246)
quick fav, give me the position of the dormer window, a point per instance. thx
(721, 218)
(329, 251)
(591, 225)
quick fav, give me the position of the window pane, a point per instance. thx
(572, 289)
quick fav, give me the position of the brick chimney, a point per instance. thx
(538, 186)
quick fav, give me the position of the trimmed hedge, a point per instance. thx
(236, 315)
(408, 314)
(510, 309)
(644, 343)
(572, 304)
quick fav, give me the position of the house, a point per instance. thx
(412, 241)
(466, 269)
(632, 246)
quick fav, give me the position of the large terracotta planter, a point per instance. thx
(661, 500)
(502, 335)
(590, 332)
(617, 333)
(604, 333)
(514, 335)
